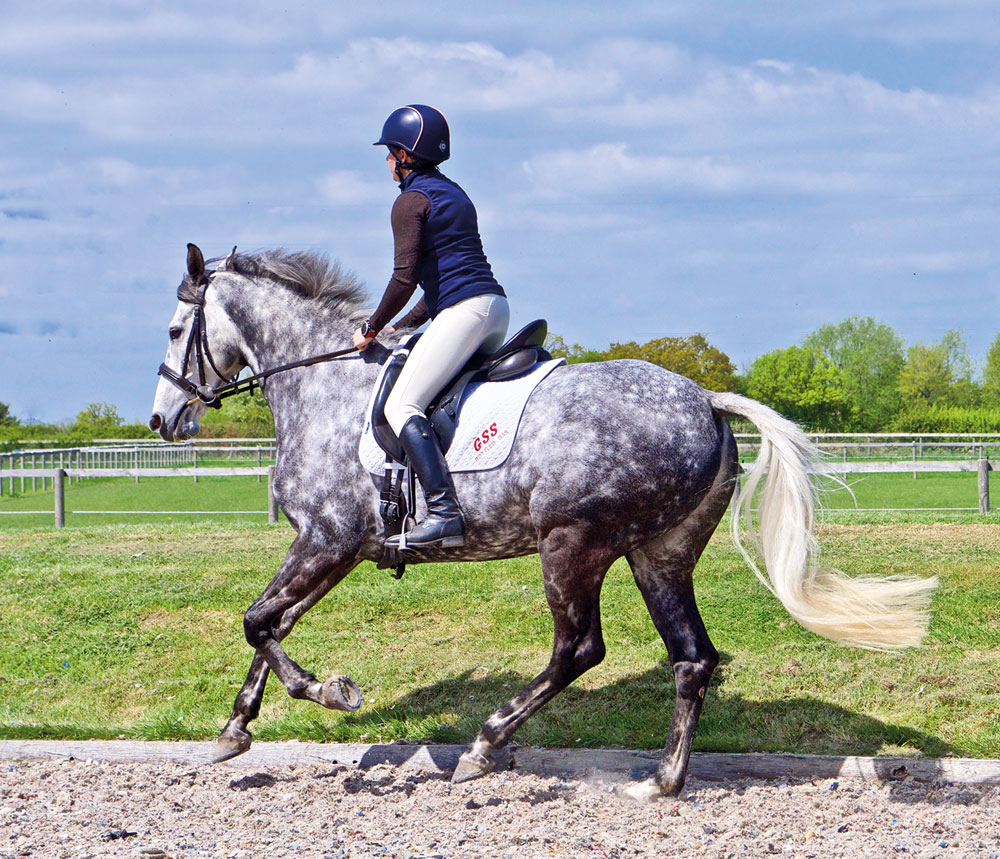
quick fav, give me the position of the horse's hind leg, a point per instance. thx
(573, 569)
(300, 583)
(663, 571)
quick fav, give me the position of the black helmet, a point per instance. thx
(420, 130)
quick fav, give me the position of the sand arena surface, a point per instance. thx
(76, 808)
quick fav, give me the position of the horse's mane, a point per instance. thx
(309, 273)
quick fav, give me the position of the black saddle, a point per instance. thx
(517, 356)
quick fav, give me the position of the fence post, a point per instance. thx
(984, 486)
(272, 502)
(59, 481)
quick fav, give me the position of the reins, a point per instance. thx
(213, 396)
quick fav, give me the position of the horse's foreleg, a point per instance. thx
(296, 588)
(574, 572)
(235, 737)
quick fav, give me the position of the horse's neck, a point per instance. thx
(277, 328)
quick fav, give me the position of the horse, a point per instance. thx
(614, 459)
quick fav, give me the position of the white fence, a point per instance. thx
(58, 476)
(34, 467)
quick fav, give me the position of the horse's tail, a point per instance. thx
(881, 613)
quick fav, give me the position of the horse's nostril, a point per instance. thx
(155, 422)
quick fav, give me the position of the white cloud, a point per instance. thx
(353, 188)
(127, 27)
(603, 147)
(465, 75)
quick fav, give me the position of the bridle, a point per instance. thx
(200, 390)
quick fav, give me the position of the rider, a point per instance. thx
(437, 245)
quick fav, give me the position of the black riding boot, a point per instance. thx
(444, 525)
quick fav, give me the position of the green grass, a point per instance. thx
(235, 499)
(894, 491)
(135, 631)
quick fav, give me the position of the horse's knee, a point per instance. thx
(255, 628)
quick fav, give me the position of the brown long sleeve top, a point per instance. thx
(409, 214)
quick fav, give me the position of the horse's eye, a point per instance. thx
(176, 332)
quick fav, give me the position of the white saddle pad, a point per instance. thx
(488, 417)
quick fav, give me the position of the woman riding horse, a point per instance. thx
(437, 245)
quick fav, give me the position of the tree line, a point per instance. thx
(857, 375)
(243, 417)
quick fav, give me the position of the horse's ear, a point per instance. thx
(196, 263)
(227, 263)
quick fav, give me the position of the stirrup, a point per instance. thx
(417, 539)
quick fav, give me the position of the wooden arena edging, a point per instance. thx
(544, 762)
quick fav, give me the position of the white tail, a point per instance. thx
(879, 613)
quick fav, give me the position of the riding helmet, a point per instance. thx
(420, 130)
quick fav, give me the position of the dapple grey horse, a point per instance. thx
(615, 459)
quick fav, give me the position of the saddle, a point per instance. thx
(516, 357)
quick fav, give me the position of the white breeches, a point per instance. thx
(454, 335)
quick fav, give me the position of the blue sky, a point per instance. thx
(745, 170)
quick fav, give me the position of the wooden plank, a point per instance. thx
(544, 762)
(898, 467)
(426, 758)
(721, 767)
(247, 471)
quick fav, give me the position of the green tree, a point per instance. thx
(691, 356)
(575, 354)
(869, 356)
(803, 384)
(991, 374)
(97, 421)
(240, 417)
(940, 373)
(6, 418)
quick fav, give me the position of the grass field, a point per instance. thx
(234, 499)
(135, 631)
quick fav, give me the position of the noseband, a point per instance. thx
(201, 391)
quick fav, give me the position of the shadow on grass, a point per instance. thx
(635, 712)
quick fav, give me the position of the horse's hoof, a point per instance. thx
(472, 765)
(644, 791)
(339, 692)
(227, 747)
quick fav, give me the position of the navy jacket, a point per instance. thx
(453, 266)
